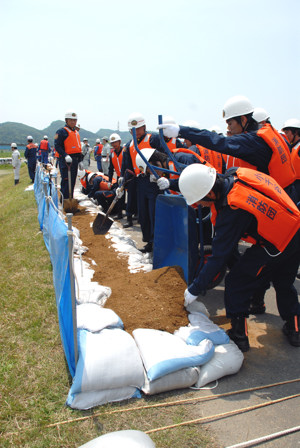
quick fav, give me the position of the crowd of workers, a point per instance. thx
(249, 180)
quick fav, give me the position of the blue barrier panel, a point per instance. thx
(58, 249)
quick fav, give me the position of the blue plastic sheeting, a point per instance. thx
(56, 240)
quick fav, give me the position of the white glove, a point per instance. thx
(119, 193)
(169, 130)
(188, 297)
(109, 185)
(163, 183)
(120, 181)
(68, 159)
(152, 178)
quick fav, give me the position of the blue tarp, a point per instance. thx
(56, 240)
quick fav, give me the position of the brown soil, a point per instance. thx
(142, 300)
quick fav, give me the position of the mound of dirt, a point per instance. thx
(142, 300)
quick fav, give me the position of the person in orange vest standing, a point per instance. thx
(98, 154)
(115, 165)
(68, 146)
(45, 149)
(30, 155)
(248, 202)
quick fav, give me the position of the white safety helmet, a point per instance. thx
(147, 153)
(81, 174)
(291, 123)
(114, 138)
(105, 138)
(30, 138)
(85, 139)
(260, 114)
(192, 124)
(216, 129)
(71, 115)
(196, 181)
(97, 140)
(13, 145)
(45, 137)
(90, 176)
(136, 120)
(236, 107)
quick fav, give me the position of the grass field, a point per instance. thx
(34, 381)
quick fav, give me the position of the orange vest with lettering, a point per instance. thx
(295, 156)
(117, 161)
(278, 218)
(145, 143)
(72, 142)
(44, 145)
(171, 144)
(214, 158)
(31, 145)
(280, 166)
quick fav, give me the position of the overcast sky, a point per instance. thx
(108, 58)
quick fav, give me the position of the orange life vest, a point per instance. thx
(295, 156)
(171, 144)
(72, 142)
(278, 218)
(235, 162)
(213, 158)
(31, 145)
(103, 186)
(145, 143)
(99, 150)
(44, 145)
(117, 161)
(280, 166)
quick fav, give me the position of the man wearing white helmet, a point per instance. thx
(105, 155)
(16, 162)
(98, 153)
(115, 164)
(30, 155)
(45, 149)
(142, 192)
(86, 149)
(261, 116)
(245, 202)
(67, 144)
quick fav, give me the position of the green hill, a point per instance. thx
(18, 132)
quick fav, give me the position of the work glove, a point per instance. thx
(163, 183)
(188, 297)
(68, 159)
(109, 185)
(80, 166)
(119, 193)
(169, 130)
(152, 178)
(120, 181)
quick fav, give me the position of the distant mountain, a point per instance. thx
(18, 132)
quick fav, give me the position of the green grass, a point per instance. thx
(34, 380)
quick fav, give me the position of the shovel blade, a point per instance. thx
(102, 224)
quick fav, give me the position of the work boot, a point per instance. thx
(129, 223)
(16, 181)
(239, 333)
(257, 304)
(291, 330)
(147, 248)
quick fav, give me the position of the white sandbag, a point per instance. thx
(197, 307)
(164, 353)
(205, 329)
(121, 439)
(176, 380)
(93, 317)
(87, 400)
(227, 360)
(107, 360)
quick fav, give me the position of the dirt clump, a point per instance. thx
(142, 300)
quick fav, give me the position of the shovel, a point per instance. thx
(103, 223)
(71, 204)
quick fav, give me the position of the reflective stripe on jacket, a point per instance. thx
(117, 161)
